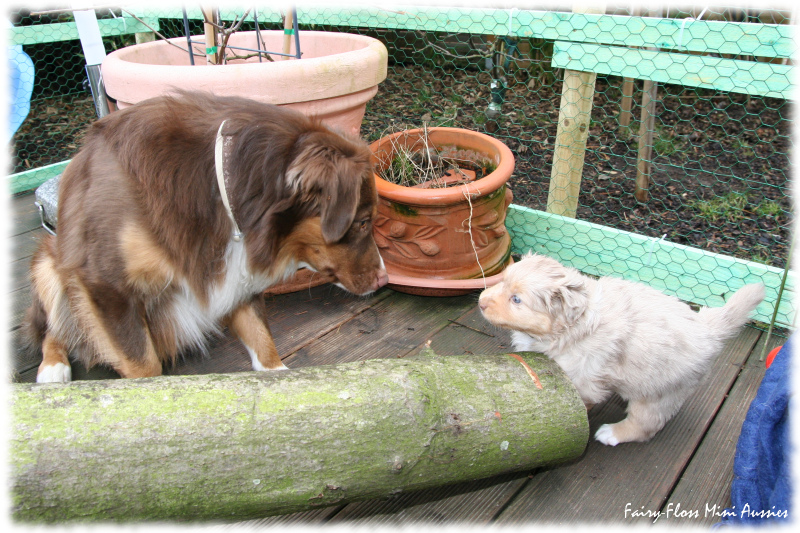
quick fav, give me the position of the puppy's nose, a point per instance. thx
(483, 304)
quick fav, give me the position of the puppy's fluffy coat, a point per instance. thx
(611, 335)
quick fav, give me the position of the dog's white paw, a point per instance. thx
(605, 434)
(57, 373)
(258, 367)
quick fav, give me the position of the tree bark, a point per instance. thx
(238, 446)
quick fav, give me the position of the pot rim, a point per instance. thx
(365, 67)
(450, 195)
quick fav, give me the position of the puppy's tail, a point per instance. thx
(725, 321)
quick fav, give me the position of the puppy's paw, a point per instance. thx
(605, 434)
(57, 373)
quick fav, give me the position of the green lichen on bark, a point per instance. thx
(244, 445)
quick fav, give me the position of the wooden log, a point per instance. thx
(238, 446)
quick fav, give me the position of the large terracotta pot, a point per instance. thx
(336, 77)
(443, 241)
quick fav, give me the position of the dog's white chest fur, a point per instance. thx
(195, 321)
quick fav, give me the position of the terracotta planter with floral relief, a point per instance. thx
(444, 241)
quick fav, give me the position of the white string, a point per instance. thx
(511, 19)
(465, 192)
(653, 245)
(683, 25)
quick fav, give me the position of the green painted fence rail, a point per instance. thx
(736, 38)
(68, 31)
(732, 75)
(30, 179)
(693, 275)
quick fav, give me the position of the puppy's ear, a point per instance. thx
(572, 297)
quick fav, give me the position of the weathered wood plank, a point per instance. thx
(295, 320)
(607, 481)
(20, 300)
(705, 486)
(25, 215)
(18, 271)
(23, 245)
(733, 75)
(471, 333)
(394, 327)
(473, 502)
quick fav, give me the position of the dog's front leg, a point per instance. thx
(55, 367)
(249, 323)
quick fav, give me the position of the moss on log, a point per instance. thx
(238, 446)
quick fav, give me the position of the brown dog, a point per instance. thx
(148, 260)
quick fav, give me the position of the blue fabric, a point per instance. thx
(21, 73)
(761, 492)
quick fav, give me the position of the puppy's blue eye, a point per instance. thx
(515, 299)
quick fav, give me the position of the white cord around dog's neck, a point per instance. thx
(219, 163)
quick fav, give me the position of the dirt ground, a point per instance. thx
(720, 177)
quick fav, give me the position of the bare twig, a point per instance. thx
(473, 329)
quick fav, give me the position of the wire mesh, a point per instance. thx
(701, 167)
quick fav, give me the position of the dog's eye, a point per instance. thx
(364, 224)
(515, 299)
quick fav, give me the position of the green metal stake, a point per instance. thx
(778, 301)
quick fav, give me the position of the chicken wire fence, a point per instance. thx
(650, 145)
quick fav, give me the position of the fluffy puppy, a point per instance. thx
(611, 335)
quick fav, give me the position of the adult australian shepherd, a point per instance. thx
(154, 254)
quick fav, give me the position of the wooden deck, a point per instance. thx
(685, 470)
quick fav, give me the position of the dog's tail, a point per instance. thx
(725, 321)
(34, 326)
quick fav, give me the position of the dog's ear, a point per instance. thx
(339, 203)
(332, 182)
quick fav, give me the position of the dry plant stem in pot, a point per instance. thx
(453, 235)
